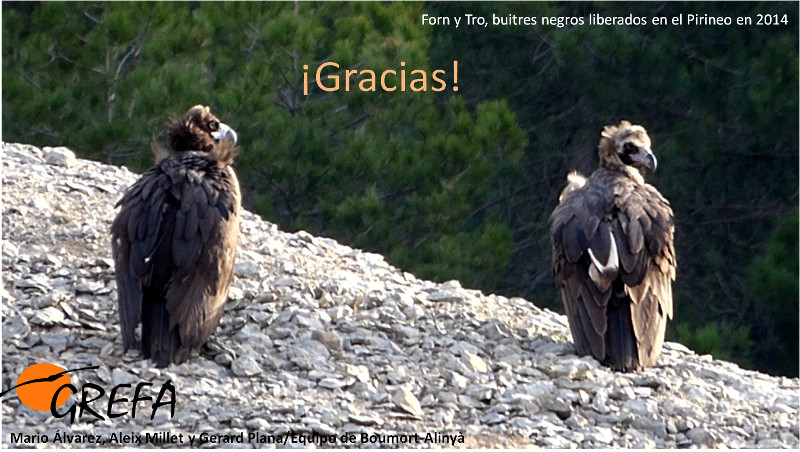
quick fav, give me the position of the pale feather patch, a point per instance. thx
(575, 181)
(612, 265)
(600, 280)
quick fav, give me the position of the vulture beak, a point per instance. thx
(646, 158)
(225, 132)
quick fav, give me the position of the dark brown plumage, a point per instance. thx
(175, 237)
(613, 255)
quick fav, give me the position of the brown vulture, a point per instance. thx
(613, 255)
(175, 237)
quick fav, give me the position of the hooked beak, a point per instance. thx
(646, 159)
(225, 133)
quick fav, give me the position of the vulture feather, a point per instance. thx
(174, 240)
(613, 254)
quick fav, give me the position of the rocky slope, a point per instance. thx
(326, 344)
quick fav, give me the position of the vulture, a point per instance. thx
(613, 255)
(174, 240)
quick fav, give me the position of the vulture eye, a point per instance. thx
(630, 148)
(213, 125)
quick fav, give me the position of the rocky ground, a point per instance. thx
(326, 344)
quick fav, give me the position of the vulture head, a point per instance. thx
(199, 130)
(625, 147)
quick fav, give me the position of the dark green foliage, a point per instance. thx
(723, 340)
(453, 184)
(772, 286)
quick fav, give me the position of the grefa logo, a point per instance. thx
(46, 386)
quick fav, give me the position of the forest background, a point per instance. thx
(456, 185)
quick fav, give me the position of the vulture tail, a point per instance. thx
(621, 349)
(158, 342)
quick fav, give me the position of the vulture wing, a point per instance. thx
(614, 263)
(174, 243)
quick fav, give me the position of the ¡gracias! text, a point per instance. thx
(329, 77)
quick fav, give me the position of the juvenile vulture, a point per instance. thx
(174, 240)
(613, 256)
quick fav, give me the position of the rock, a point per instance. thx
(59, 156)
(330, 339)
(119, 376)
(622, 394)
(52, 298)
(557, 405)
(474, 362)
(247, 269)
(602, 435)
(600, 402)
(492, 418)
(360, 419)
(361, 373)
(245, 366)
(287, 282)
(406, 332)
(57, 342)
(457, 380)
(48, 316)
(446, 296)
(257, 424)
(14, 327)
(332, 383)
(573, 369)
(481, 393)
(405, 400)
(700, 437)
(653, 428)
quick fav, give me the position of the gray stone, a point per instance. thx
(559, 406)
(57, 342)
(447, 296)
(700, 437)
(474, 362)
(602, 435)
(573, 369)
(332, 383)
(48, 316)
(492, 418)
(600, 402)
(245, 366)
(457, 380)
(407, 401)
(15, 326)
(330, 339)
(361, 373)
(119, 376)
(362, 419)
(247, 269)
(59, 156)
